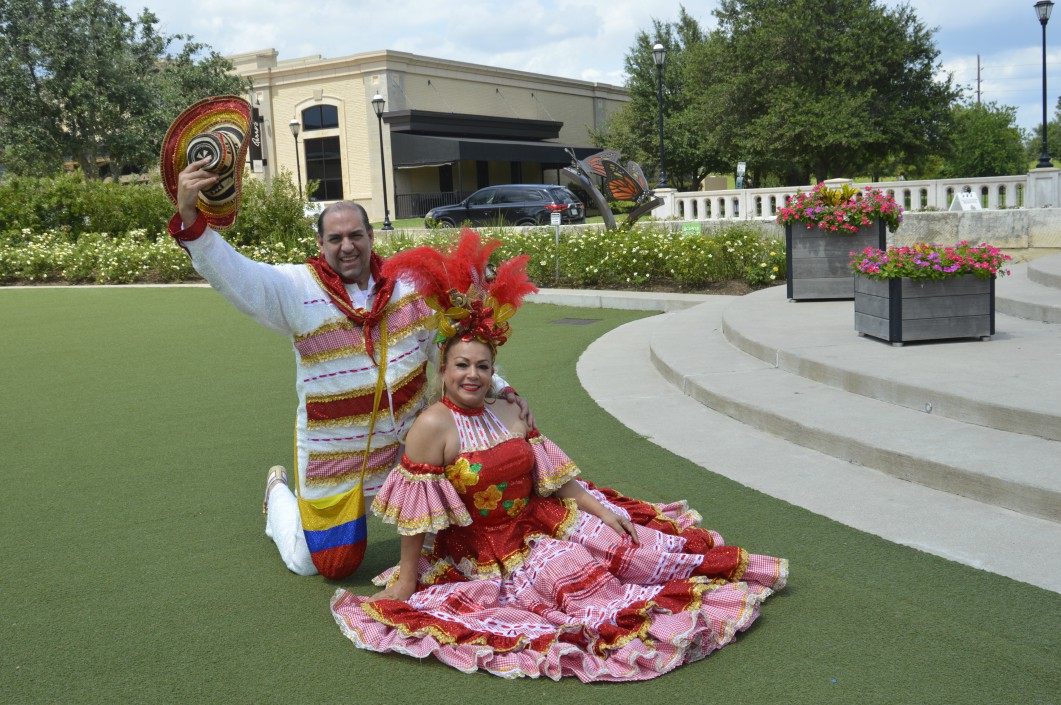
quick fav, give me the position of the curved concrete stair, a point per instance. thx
(621, 372)
(1011, 382)
(985, 464)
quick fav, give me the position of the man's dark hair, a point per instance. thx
(343, 205)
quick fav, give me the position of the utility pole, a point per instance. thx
(978, 79)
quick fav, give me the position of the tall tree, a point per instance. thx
(986, 141)
(634, 130)
(820, 87)
(83, 81)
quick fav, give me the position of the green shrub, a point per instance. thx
(271, 213)
(116, 209)
(49, 256)
(69, 205)
(651, 255)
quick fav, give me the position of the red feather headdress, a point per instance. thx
(455, 284)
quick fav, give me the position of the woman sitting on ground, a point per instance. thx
(532, 572)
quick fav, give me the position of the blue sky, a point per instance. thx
(587, 39)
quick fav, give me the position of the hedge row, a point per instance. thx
(648, 256)
(68, 230)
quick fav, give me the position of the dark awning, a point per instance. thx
(487, 127)
(424, 150)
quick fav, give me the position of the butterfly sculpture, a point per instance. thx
(594, 164)
(586, 172)
(622, 183)
(627, 184)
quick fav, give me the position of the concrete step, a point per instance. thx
(1032, 291)
(618, 372)
(623, 300)
(1046, 271)
(1006, 469)
(1010, 382)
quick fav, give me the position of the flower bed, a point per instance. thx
(650, 257)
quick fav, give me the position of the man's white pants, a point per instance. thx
(284, 526)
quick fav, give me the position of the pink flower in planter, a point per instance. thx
(841, 210)
(922, 261)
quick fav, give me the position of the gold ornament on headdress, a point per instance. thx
(454, 284)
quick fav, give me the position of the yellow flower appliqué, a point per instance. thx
(515, 506)
(487, 499)
(463, 474)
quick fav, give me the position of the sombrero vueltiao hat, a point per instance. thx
(215, 128)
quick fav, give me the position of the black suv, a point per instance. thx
(515, 204)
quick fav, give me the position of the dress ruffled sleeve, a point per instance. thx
(419, 499)
(552, 467)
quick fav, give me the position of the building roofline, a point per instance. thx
(384, 58)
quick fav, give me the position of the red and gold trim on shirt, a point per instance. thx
(354, 408)
(336, 468)
(345, 338)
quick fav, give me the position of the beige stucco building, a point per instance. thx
(448, 127)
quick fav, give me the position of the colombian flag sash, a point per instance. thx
(335, 526)
(336, 531)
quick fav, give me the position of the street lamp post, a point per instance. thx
(1043, 9)
(659, 55)
(295, 127)
(377, 105)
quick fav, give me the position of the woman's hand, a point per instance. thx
(589, 504)
(405, 584)
(398, 590)
(620, 525)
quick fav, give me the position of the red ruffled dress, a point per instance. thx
(521, 583)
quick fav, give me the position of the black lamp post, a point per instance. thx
(295, 127)
(1043, 9)
(377, 105)
(659, 55)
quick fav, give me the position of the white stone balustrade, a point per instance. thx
(1020, 214)
(1041, 188)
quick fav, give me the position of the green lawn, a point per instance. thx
(136, 427)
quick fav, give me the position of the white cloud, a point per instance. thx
(588, 39)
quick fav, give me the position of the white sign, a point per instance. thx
(965, 201)
(554, 218)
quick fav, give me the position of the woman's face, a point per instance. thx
(468, 373)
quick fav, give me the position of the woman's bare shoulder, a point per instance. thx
(426, 440)
(433, 420)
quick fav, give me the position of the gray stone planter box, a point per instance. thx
(819, 263)
(904, 310)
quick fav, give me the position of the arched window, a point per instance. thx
(320, 117)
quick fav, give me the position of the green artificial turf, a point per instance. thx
(136, 426)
